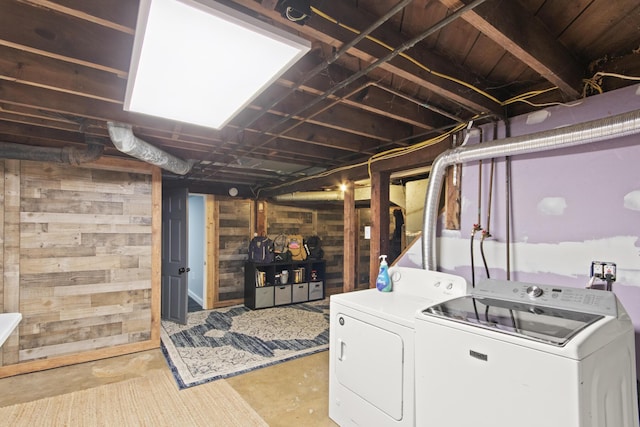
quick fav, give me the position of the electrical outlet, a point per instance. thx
(610, 271)
(597, 269)
(603, 270)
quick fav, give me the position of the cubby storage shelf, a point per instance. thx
(263, 285)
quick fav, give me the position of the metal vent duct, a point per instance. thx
(124, 140)
(569, 136)
(65, 155)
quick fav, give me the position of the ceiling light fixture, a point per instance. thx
(197, 61)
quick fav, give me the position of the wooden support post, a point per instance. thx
(212, 230)
(156, 253)
(453, 196)
(380, 222)
(350, 260)
(261, 218)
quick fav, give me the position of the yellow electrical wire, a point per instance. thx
(620, 76)
(376, 157)
(395, 152)
(405, 56)
(519, 98)
(592, 83)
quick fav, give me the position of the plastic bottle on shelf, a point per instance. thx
(383, 282)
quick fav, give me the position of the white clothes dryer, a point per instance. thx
(526, 355)
(371, 350)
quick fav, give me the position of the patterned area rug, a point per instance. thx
(229, 341)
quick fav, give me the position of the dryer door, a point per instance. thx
(369, 362)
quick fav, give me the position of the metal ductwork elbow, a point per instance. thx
(124, 140)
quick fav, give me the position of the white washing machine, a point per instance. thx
(371, 350)
(526, 355)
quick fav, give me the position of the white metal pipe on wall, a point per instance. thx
(396, 195)
(569, 136)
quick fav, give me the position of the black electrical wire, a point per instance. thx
(486, 233)
(473, 268)
(484, 259)
(476, 227)
(508, 201)
(475, 309)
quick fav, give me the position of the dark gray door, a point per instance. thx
(174, 255)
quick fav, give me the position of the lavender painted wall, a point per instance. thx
(569, 207)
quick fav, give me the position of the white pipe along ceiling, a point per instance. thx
(569, 136)
(396, 195)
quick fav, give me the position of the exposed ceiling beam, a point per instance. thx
(115, 14)
(411, 160)
(524, 36)
(331, 34)
(24, 27)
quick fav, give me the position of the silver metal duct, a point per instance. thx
(396, 195)
(124, 140)
(569, 136)
(66, 155)
(310, 196)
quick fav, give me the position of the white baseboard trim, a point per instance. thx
(196, 298)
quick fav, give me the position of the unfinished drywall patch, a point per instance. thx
(552, 206)
(569, 260)
(537, 117)
(632, 200)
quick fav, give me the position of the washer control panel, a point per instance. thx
(534, 291)
(577, 299)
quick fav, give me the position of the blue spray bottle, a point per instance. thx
(383, 282)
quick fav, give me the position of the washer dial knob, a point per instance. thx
(534, 291)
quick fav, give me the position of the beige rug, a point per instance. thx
(228, 341)
(152, 400)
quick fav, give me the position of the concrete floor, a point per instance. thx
(292, 393)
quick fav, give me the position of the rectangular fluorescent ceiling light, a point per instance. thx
(197, 61)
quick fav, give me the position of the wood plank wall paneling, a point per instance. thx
(82, 249)
(330, 229)
(234, 226)
(364, 247)
(284, 219)
(350, 243)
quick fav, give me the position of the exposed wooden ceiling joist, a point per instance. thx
(64, 66)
